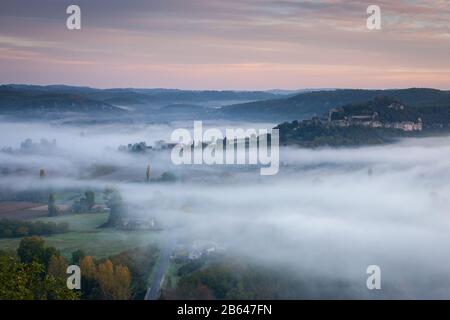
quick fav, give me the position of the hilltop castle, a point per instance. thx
(337, 118)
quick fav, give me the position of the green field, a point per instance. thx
(67, 197)
(84, 234)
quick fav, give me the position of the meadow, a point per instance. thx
(85, 234)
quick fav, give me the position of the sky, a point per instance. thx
(226, 44)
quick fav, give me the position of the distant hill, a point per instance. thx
(380, 120)
(392, 110)
(184, 107)
(61, 98)
(185, 111)
(307, 104)
(157, 103)
(20, 99)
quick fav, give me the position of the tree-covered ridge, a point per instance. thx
(229, 279)
(308, 104)
(312, 136)
(388, 109)
(377, 121)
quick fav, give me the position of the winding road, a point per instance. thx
(154, 289)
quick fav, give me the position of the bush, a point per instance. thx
(167, 177)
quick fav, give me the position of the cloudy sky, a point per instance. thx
(226, 44)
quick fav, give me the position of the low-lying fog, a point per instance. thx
(328, 213)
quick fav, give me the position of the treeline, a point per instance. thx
(34, 272)
(119, 277)
(16, 228)
(308, 104)
(314, 136)
(104, 280)
(230, 279)
(317, 132)
(392, 110)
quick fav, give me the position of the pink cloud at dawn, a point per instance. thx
(233, 44)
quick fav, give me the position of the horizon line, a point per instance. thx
(224, 89)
